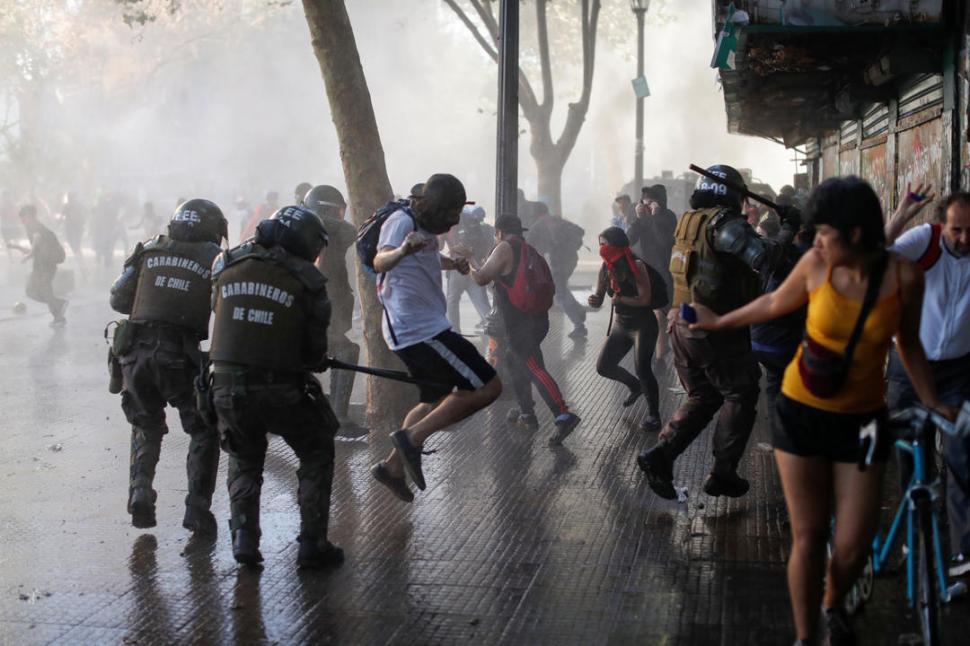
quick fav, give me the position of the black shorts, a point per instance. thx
(810, 432)
(448, 359)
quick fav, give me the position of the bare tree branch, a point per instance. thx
(527, 97)
(542, 27)
(487, 46)
(577, 111)
(491, 24)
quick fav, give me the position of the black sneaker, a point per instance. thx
(411, 455)
(839, 629)
(651, 423)
(199, 521)
(565, 424)
(141, 506)
(660, 472)
(527, 422)
(398, 486)
(632, 398)
(732, 486)
(312, 555)
(245, 547)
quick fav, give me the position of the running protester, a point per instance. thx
(625, 278)
(459, 382)
(523, 294)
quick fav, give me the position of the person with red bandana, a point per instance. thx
(625, 278)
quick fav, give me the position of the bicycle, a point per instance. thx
(926, 585)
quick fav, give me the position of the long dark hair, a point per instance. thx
(847, 203)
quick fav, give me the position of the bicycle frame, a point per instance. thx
(918, 492)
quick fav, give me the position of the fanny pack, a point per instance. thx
(823, 371)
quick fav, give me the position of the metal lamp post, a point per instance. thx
(507, 147)
(639, 8)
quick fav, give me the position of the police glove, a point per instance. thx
(790, 215)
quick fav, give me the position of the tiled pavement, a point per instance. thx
(512, 543)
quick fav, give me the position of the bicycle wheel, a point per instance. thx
(927, 596)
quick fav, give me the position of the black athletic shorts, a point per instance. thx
(810, 432)
(448, 359)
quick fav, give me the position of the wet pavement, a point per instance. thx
(512, 543)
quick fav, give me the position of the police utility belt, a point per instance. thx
(245, 377)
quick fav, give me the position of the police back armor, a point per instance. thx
(719, 280)
(174, 283)
(265, 301)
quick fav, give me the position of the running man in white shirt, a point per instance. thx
(416, 328)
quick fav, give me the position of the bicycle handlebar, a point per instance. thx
(910, 423)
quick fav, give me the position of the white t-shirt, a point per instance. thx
(946, 302)
(411, 292)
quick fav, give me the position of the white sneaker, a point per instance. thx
(959, 565)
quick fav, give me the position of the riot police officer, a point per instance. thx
(270, 334)
(329, 205)
(714, 262)
(165, 289)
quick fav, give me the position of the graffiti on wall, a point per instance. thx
(875, 170)
(921, 151)
(848, 162)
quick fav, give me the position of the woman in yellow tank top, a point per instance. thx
(815, 437)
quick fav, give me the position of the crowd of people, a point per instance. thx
(732, 290)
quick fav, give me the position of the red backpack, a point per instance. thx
(532, 290)
(933, 251)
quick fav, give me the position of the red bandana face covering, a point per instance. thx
(612, 255)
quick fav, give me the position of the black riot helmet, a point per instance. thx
(296, 229)
(324, 198)
(723, 196)
(198, 220)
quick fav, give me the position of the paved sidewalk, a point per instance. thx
(512, 543)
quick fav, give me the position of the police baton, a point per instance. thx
(735, 187)
(394, 375)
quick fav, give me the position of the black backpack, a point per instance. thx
(369, 234)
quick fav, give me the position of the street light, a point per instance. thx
(639, 8)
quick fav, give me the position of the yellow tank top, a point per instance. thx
(831, 319)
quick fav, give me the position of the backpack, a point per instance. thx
(369, 234)
(53, 250)
(569, 235)
(659, 298)
(532, 290)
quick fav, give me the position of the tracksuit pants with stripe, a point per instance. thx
(526, 365)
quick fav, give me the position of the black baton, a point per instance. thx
(731, 185)
(394, 375)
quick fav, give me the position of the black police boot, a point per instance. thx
(245, 547)
(660, 472)
(141, 506)
(313, 554)
(200, 521)
(732, 486)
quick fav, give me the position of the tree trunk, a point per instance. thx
(362, 156)
(550, 184)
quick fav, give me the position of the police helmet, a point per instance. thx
(198, 220)
(723, 195)
(320, 198)
(296, 229)
(301, 190)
